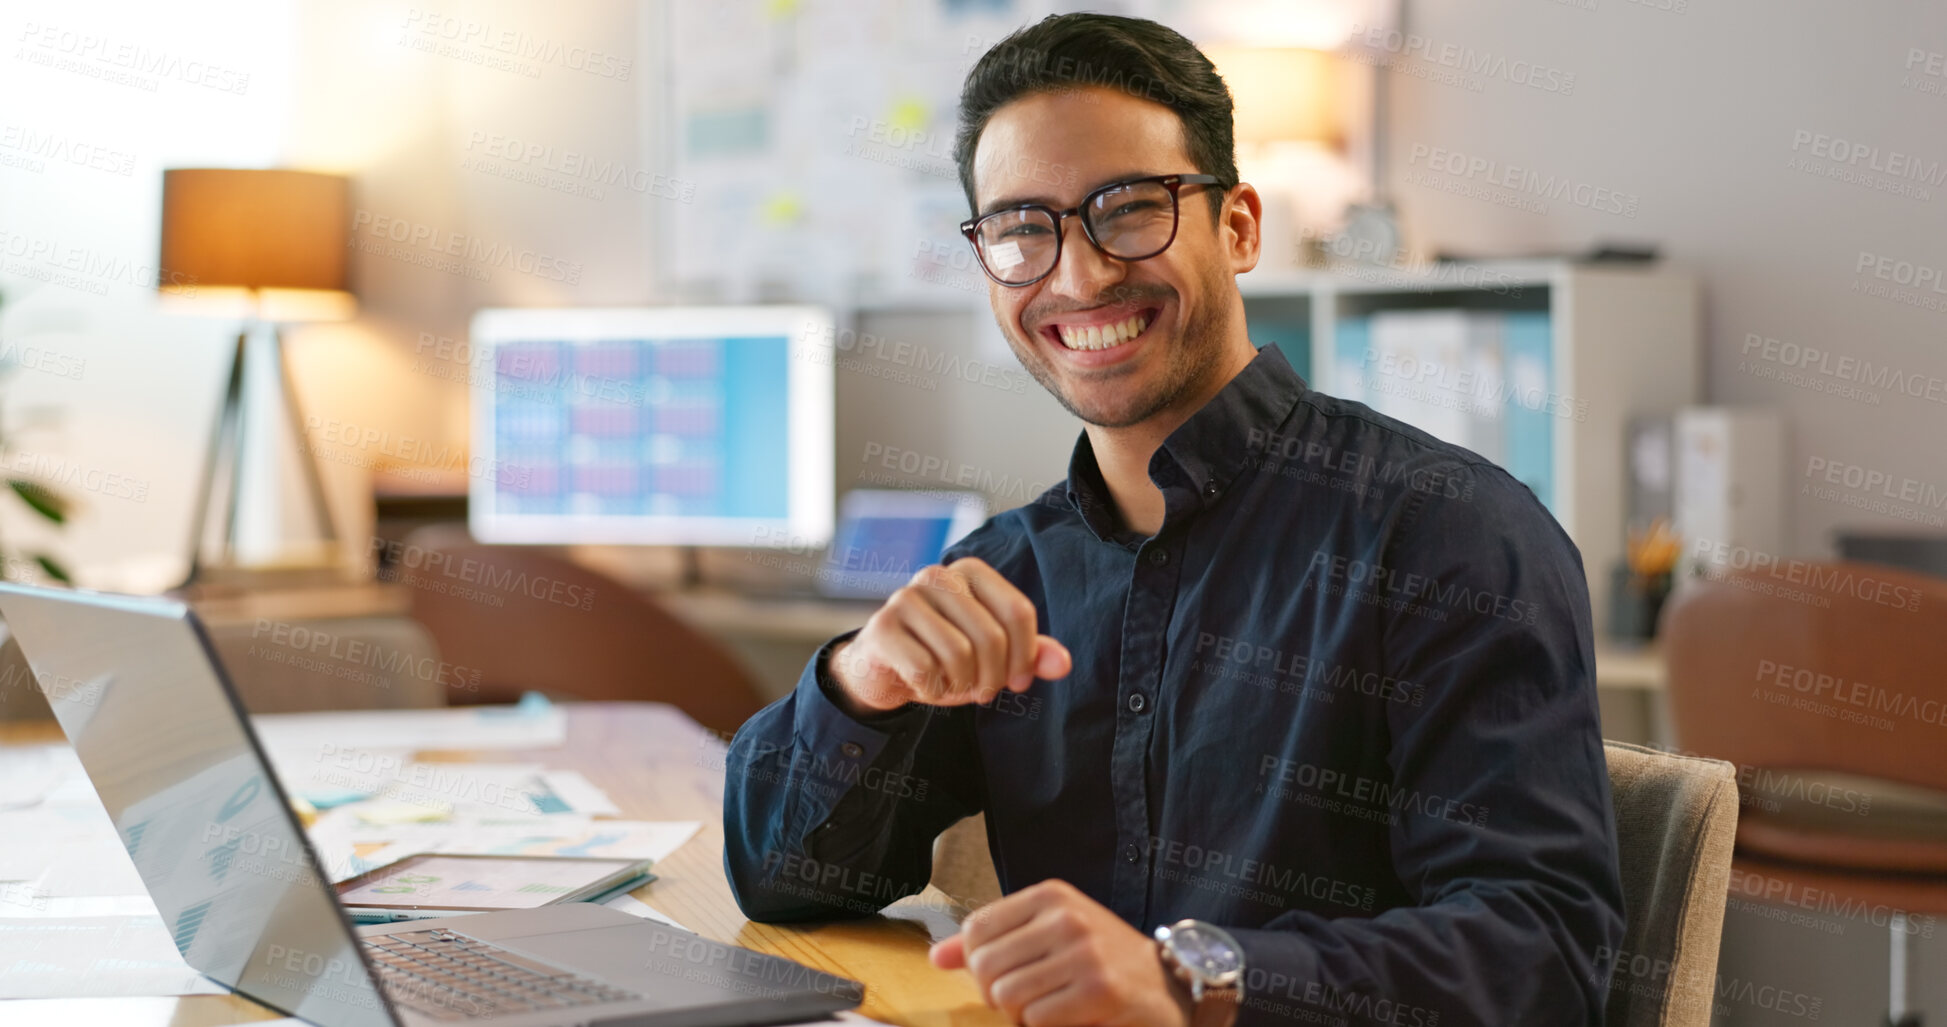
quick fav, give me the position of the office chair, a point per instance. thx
(1676, 821)
(963, 865)
(1827, 681)
(526, 618)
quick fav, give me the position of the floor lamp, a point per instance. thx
(276, 242)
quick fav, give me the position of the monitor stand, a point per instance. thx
(692, 559)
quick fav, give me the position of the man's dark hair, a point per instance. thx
(1136, 56)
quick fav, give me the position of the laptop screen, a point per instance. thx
(884, 535)
(165, 744)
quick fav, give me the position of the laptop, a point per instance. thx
(885, 535)
(158, 728)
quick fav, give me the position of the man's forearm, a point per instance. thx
(1488, 961)
(827, 814)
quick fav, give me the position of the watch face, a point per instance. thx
(1208, 951)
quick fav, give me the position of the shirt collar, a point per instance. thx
(1198, 462)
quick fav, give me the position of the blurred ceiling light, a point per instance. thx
(1302, 24)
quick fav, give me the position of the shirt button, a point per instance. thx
(1129, 853)
(1210, 488)
(1135, 702)
(852, 750)
(1159, 557)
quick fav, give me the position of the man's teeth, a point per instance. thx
(1102, 336)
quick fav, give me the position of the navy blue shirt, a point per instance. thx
(1342, 704)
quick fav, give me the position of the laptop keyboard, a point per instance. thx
(450, 976)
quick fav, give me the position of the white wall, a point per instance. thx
(98, 98)
(1695, 112)
(431, 108)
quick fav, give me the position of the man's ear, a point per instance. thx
(1240, 226)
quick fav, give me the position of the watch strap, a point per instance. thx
(1218, 1006)
(1209, 1007)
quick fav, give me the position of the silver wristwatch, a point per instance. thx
(1205, 957)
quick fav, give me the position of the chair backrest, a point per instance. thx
(963, 865)
(529, 619)
(1812, 666)
(1820, 680)
(1676, 825)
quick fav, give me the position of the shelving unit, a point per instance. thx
(1622, 343)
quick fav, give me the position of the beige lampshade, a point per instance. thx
(1281, 93)
(271, 240)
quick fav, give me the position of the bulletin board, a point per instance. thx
(819, 136)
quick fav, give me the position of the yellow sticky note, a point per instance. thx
(384, 811)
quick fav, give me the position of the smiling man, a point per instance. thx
(1279, 710)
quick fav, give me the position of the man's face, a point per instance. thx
(1053, 148)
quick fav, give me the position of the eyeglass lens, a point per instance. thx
(1128, 222)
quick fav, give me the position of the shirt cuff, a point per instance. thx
(822, 725)
(1280, 979)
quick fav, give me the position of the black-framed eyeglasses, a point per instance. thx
(1131, 220)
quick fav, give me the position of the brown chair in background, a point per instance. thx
(368, 663)
(526, 618)
(1821, 683)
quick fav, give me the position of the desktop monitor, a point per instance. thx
(653, 426)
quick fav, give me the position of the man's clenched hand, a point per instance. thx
(955, 634)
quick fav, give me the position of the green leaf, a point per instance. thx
(53, 568)
(45, 501)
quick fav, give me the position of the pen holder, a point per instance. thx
(1634, 603)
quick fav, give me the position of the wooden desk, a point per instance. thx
(656, 764)
(776, 619)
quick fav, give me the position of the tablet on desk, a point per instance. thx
(436, 884)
